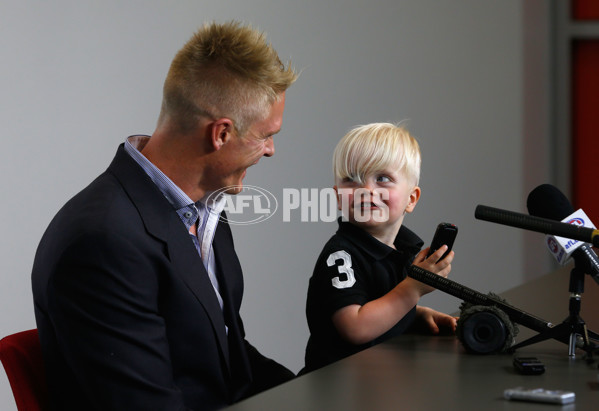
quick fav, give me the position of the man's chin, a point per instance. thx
(235, 184)
(232, 190)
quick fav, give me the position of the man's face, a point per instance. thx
(242, 152)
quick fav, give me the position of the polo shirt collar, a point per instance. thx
(406, 239)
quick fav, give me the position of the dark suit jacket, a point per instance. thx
(126, 313)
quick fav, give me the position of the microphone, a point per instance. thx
(538, 224)
(548, 201)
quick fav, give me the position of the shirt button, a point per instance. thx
(188, 214)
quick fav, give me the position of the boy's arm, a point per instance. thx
(360, 324)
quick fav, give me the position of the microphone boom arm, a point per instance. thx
(538, 224)
(474, 297)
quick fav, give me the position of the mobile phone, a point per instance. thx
(444, 235)
(540, 395)
(529, 365)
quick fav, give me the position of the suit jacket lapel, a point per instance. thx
(162, 222)
(230, 280)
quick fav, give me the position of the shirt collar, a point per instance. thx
(188, 211)
(405, 240)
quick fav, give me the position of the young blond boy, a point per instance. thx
(359, 293)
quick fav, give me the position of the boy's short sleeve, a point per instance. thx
(339, 279)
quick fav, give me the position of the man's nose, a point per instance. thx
(269, 147)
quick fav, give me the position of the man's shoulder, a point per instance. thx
(97, 198)
(102, 208)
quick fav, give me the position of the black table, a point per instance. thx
(415, 372)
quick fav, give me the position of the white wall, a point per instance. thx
(77, 77)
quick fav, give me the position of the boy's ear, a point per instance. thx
(220, 131)
(414, 197)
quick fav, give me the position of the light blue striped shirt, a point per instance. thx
(188, 211)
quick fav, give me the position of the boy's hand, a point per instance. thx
(432, 264)
(434, 321)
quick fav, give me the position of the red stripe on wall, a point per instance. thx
(585, 9)
(585, 127)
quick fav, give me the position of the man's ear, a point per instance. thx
(221, 131)
(414, 197)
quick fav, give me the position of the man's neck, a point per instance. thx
(174, 158)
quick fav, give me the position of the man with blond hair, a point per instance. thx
(137, 286)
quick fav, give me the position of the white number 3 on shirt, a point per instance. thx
(344, 268)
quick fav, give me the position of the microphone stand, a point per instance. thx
(573, 330)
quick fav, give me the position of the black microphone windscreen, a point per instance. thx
(548, 201)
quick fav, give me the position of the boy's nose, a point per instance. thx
(369, 185)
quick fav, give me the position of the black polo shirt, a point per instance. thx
(353, 268)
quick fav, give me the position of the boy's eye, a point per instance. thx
(383, 179)
(348, 179)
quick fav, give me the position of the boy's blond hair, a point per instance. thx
(224, 70)
(374, 147)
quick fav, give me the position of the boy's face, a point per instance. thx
(379, 203)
